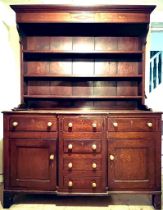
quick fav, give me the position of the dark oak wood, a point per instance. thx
(82, 127)
(117, 55)
(128, 145)
(156, 201)
(68, 13)
(85, 162)
(133, 164)
(31, 166)
(8, 198)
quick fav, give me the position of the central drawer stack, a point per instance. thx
(82, 154)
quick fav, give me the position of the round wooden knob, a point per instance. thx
(15, 124)
(94, 165)
(70, 165)
(111, 157)
(49, 124)
(70, 184)
(94, 125)
(115, 124)
(94, 146)
(70, 125)
(51, 157)
(69, 146)
(149, 124)
(94, 184)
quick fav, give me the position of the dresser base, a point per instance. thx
(9, 196)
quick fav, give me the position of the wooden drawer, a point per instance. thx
(82, 146)
(83, 124)
(33, 135)
(82, 163)
(92, 184)
(32, 123)
(133, 135)
(131, 124)
(83, 135)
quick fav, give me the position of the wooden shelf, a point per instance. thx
(92, 77)
(80, 97)
(90, 64)
(81, 52)
(44, 55)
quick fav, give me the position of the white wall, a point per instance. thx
(9, 46)
(9, 66)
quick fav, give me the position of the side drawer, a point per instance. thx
(131, 124)
(32, 123)
(82, 124)
(33, 135)
(82, 146)
(132, 135)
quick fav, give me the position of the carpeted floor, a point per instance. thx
(114, 202)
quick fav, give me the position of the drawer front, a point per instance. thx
(132, 135)
(89, 183)
(82, 135)
(32, 123)
(131, 124)
(33, 135)
(82, 146)
(83, 124)
(82, 164)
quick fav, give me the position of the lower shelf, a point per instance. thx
(80, 97)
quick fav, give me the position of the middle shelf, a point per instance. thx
(29, 55)
(83, 88)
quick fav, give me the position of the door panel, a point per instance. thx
(33, 164)
(131, 164)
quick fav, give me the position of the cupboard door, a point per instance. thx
(33, 164)
(131, 164)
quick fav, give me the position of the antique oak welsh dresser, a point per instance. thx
(82, 127)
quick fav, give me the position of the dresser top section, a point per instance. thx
(92, 14)
(95, 8)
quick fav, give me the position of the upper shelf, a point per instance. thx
(82, 29)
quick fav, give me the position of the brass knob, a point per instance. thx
(15, 124)
(70, 146)
(49, 124)
(149, 124)
(94, 146)
(69, 165)
(94, 125)
(94, 165)
(111, 157)
(51, 157)
(94, 185)
(115, 124)
(70, 184)
(70, 125)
